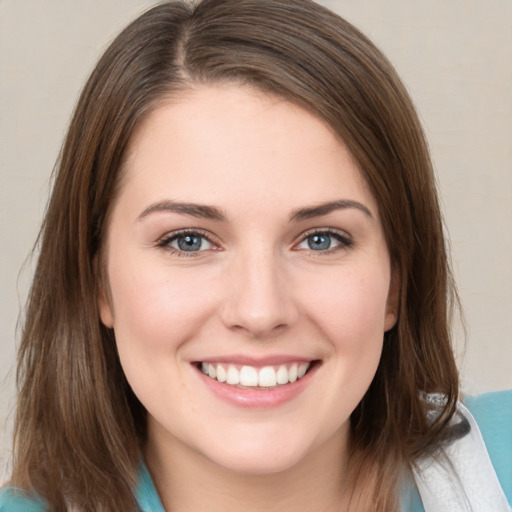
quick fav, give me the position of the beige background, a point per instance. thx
(454, 55)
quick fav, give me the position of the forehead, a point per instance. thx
(213, 141)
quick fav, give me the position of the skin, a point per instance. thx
(255, 288)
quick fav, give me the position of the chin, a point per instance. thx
(260, 464)
(262, 454)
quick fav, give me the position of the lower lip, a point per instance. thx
(262, 398)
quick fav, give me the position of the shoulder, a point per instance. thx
(493, 413)
(16, 500)
(147, 495)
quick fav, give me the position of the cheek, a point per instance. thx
(155, 317)
(351, 308)
(155, 310)
(351, 315)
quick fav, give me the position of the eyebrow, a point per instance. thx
(213, 213)
(326, 208)
(201, 211)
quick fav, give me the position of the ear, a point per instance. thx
(393, 302)
(104, 299)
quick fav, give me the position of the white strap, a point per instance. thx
(462, 479)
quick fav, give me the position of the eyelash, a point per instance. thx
(344, 241)
(164, 243)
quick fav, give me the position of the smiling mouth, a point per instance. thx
(250, 377)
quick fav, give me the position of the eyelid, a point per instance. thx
(164, 241)
(344, 239)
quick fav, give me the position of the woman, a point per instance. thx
(242, 296)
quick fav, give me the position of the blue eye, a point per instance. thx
(319, 242)
(186, 242)
(324, 241)
(189, 243)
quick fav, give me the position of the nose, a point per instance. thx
(259, 298)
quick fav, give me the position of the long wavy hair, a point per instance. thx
(79, 429)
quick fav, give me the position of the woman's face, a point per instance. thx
(247, 280)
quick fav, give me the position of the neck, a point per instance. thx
(186, 480)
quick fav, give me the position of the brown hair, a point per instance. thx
(79, 428)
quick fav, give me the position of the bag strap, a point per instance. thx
(461, 478)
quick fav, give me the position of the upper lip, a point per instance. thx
(245, 360)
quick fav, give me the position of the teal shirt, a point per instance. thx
(492, 411)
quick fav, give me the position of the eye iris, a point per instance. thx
(189, 243)
(319, 242)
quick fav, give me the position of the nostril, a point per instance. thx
(258, 303)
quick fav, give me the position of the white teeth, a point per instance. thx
(282, 375)
(221, 373)
(292, 373)
(303, 368)
(266, 377)
(248, 376)
(233, 376)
